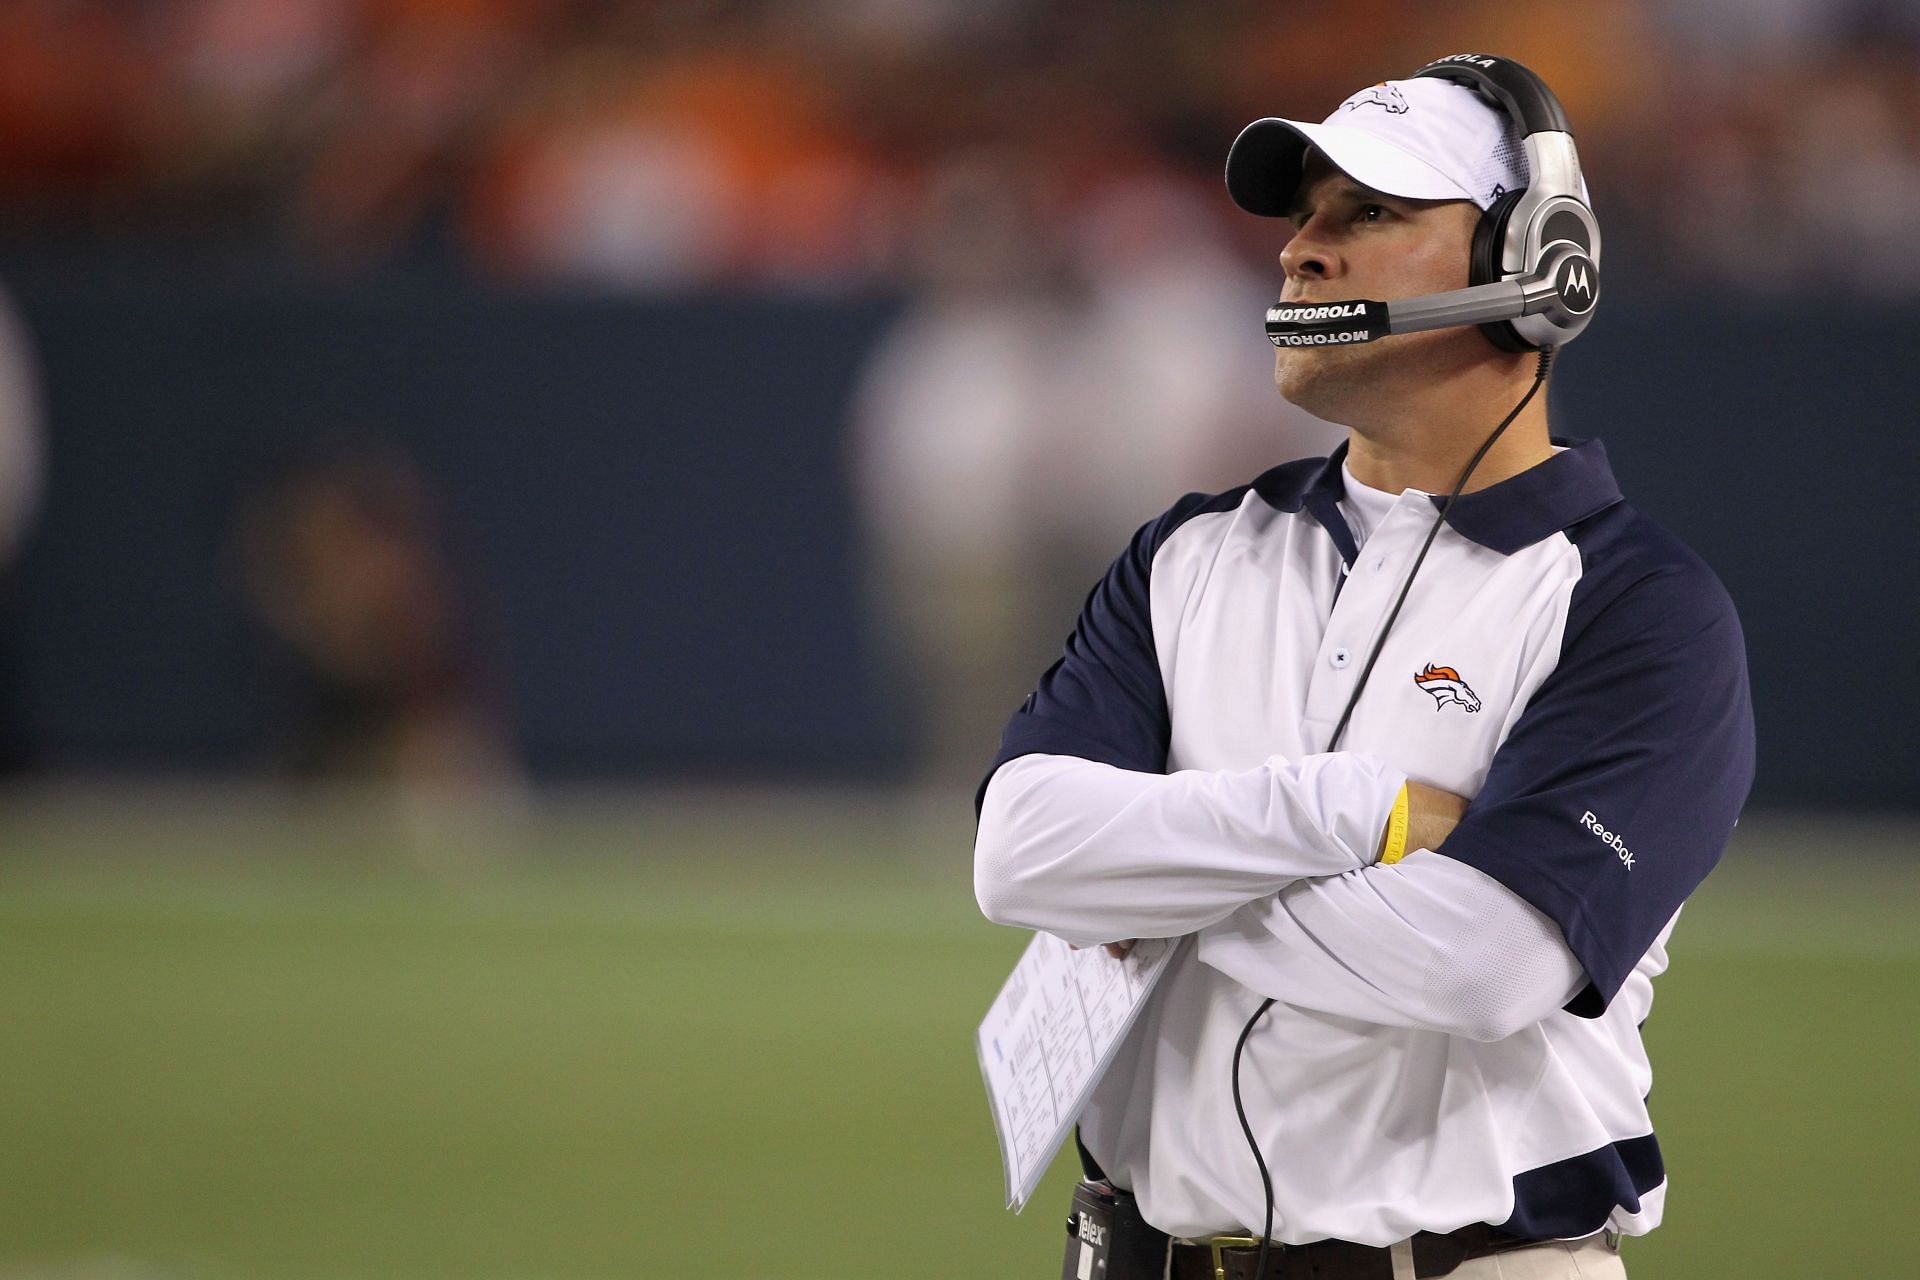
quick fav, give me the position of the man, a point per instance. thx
(1450, 1078)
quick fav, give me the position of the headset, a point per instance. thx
(1535, 272)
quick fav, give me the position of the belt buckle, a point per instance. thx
(1216, 1243)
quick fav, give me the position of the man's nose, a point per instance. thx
(1309, 257)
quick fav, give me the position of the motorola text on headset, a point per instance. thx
(1535, 275)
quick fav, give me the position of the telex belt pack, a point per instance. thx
(1107, 1239)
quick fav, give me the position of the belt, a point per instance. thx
(1233, 1257)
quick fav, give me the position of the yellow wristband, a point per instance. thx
(1396, 845)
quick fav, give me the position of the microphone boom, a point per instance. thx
(1567, 286)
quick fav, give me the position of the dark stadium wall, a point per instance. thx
(1784, 456)
(646, 500)
(652, 499)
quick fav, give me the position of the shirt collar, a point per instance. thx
(1550, 496)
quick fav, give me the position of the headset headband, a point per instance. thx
(1523, 95)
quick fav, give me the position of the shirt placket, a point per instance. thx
(1372, 582)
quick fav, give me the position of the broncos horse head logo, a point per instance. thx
(1380, 95)
(1445, 684)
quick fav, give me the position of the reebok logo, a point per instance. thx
(1608, 838)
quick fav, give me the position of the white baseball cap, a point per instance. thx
(1424, 139)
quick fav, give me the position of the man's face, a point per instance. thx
(1350, 241)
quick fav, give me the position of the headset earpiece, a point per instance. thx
(1489, 246)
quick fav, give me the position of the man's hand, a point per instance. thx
(1432, 814)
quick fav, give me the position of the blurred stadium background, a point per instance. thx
(521, 520)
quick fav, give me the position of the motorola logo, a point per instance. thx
(1320, 339)
(1300, 315)
(1578, 284)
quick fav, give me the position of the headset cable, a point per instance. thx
(1239, 1107)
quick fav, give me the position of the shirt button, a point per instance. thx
(1339, 659)
(1381, 563)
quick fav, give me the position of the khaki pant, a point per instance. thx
(1591, 1259)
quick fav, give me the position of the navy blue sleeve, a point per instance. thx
(1616, 792)
(1103, 699)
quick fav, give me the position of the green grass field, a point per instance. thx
(730, 1036)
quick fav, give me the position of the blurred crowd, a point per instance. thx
(1038, 179)
(661, 144)
(344, 561)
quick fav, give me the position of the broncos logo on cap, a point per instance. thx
(1380, 95)
(1445, 684)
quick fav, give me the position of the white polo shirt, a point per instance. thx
(1456, 1037)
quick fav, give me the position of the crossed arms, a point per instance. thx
(1638, 738)
(1275, 869)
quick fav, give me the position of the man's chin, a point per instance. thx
(1316, 378)
(1336, 382)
